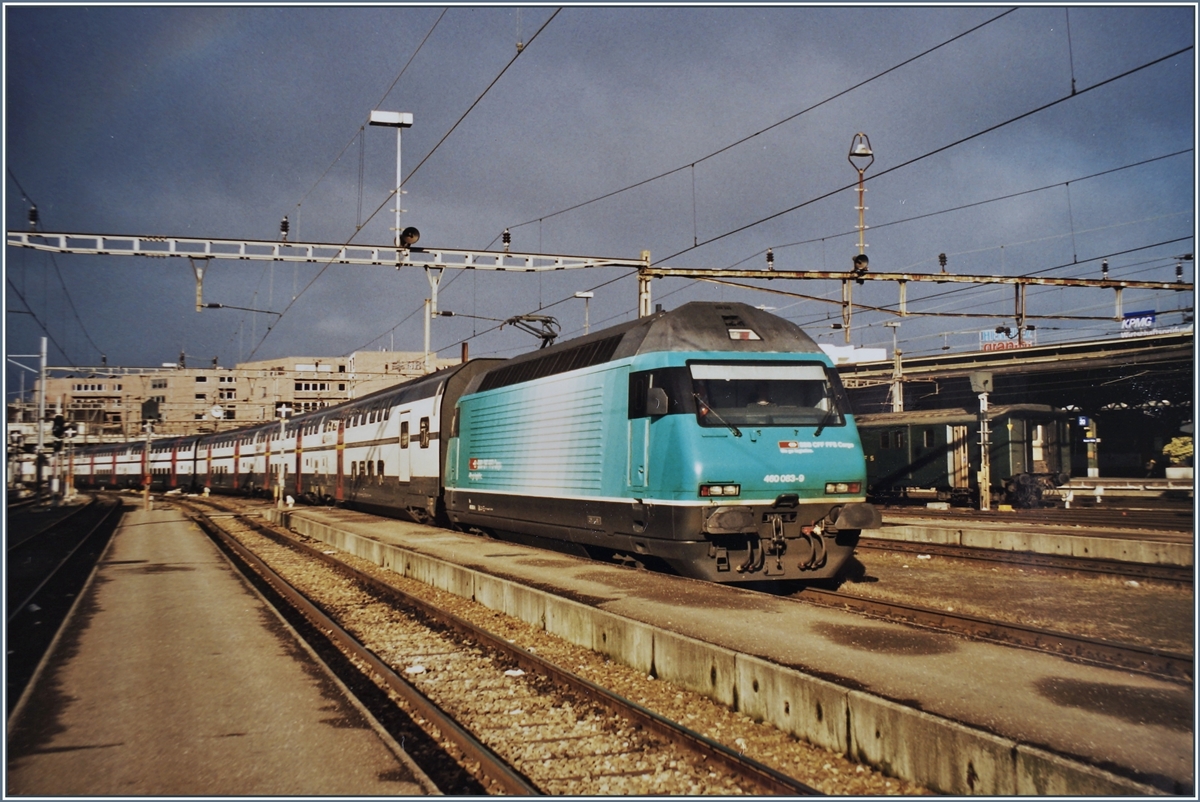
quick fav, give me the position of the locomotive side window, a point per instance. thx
(928, 438)
(404, 434)
(883, 440)
(424, 432)
(675, 382)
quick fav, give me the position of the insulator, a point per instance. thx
(770, 259)
(1179, 272)
(33, 217)
(507, 239)
(284, 225)
(1104, 270)
(942, 260)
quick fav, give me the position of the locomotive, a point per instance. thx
(714, 441)
(937, 452)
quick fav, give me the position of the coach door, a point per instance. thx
(405, 462)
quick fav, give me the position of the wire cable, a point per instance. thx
(66, 293)
(691, 165)
(934, 152)
(395, 192)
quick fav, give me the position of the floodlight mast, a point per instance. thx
(398, 120)
(860, 148)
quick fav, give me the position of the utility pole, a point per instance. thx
(284, 411)
(40, 457)
(981, 383)
(897, 387)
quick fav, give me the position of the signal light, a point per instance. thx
(726, 491)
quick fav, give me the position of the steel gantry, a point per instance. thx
(312, 252)
(437, 259)
(850, 278)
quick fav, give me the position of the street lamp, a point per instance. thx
(587, 300)
(860, 149)
(398, 120)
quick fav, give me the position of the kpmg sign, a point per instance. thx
(991, 340)
(1138, 324)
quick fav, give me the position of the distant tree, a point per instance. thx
(1179, 450)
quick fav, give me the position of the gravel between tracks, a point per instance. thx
(824, 770)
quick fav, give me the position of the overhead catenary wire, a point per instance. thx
(963, 206)
(395, 193)
(692, 164)
(933, 152)
(66, 292)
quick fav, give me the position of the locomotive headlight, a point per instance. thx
(720, 490)
(838, 488)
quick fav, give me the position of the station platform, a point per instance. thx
(959, 716)
(172, 677)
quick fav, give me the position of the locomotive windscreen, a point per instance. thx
(747, 394)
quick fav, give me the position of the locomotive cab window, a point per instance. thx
(767, 394)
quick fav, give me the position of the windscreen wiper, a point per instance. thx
(736, 431)
(829, 413)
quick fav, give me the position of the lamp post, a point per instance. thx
(398, 120)
(860, 150)
(587, 301)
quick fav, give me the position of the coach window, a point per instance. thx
(929, 438)
(404, 434)
(884, 440)
(424, 432)
(370, 468)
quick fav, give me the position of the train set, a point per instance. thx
(714, 441)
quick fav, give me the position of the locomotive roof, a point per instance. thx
(710, 326)
(958, 415)
(697, 326)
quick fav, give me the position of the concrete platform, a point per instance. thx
(173, 677)
(959, 716)
(1148, 547)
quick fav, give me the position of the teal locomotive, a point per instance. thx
(715, 440)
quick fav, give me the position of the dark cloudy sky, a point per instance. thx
(217, 122)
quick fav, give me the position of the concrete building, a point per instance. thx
(105, 403)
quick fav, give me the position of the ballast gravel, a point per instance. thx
(827, 771)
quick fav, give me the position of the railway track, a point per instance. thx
(521, 724)
(44, 573)
(1178, 574)
(1155, 662)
